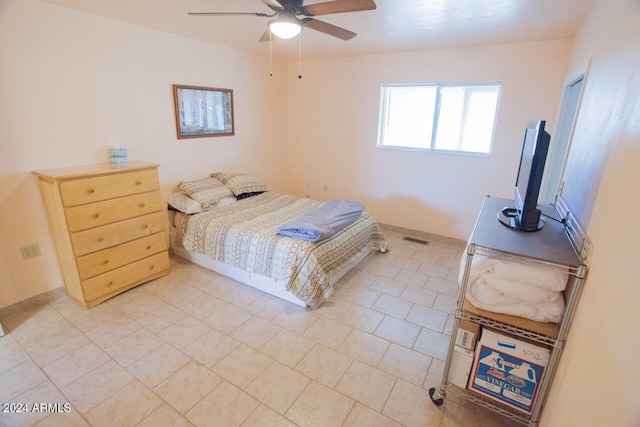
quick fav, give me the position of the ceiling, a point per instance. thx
(396, 25)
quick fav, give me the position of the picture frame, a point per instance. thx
(203, 112)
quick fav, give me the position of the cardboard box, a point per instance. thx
(508, 369)
(460, 368)
(467, 335)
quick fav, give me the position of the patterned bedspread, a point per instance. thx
(243, 234)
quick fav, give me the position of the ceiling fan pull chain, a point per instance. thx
(299, 56)
(270, 54)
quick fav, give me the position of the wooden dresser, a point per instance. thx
(108, 227)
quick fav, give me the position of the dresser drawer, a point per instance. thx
(125, 277)
(104, 237)
(110, 259)
(89, 190)
(101, 213)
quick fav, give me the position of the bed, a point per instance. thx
(232, 228)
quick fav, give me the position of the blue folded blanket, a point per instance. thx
(322, 222)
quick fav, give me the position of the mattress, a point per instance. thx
(243, 236)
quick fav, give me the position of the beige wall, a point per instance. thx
(597, 381)
(333, 119)
(72, 84)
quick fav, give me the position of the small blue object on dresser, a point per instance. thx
(118, 155)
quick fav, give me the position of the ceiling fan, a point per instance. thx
(290, 16)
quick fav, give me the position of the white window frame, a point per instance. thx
(430, 140)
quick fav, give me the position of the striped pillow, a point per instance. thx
(206, 191)
(241, 183)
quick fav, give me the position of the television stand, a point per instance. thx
(559, 246)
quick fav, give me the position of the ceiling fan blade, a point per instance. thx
(337, 6)
(228, 14)
(272, 3)
(327, 28)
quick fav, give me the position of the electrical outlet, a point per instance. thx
(30, 251)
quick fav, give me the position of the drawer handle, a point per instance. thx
(151, 267)
(100, 239)
(138, 182)
(91, 191)
(142, 205)
(105, 262)
(110, 284)
(96, 216)
(148, 247)
(145, 226)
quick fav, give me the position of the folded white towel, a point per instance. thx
(514, 288)
(553, 280)
(483, 296)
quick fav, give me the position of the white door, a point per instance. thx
(558, 149)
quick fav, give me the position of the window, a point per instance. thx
(439, 117)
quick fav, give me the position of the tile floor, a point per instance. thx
(197, 348)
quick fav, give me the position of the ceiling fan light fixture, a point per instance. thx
(285, 28)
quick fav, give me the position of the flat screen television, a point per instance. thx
(526, 215)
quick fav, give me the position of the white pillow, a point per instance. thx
(184, 203)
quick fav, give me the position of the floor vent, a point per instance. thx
(416, 240)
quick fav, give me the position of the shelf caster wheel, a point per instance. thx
(437, 397)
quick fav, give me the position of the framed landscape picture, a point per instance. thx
(203, 111)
